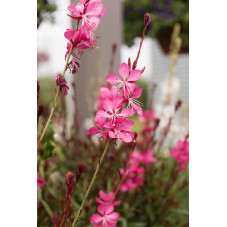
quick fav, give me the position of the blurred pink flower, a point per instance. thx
(108, 218)
(40, 182)
(181, 154)
(146, 157)
(148, 115)
(107, 199)
(134, 176)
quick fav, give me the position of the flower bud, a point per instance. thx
(147, 19)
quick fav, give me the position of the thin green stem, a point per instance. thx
(58, 92)
(90, 186)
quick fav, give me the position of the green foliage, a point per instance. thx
(44, 10)
(164, 14)
(161, 201)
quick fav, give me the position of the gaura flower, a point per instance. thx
(128, 78)
(40, 182)
(86, 10)
(121, 130)
(113, 107)
(108, 218)
(100, 122)
(181, 154)
(133, 103)
(146, 157)
(107, 199)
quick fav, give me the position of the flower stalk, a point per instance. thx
(78, 214)
(58, 92)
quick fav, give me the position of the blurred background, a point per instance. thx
(122, 25)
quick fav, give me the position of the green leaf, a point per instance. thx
(46, 206)
(48, 150)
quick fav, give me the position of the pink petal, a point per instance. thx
(116, 203)
(113, 79)
(69, 34)
(102, 194)
(109, 197)
(94, 9)
(105, 209)
(73, 9)
(102, 113)
(126, 125)
(118, 102)
(124, 70)
(131, 87)
(93, 131)
(105, 92)
(136, 93)
(114, 91)
(126, 137)
(103, 13)
(96, 218)
(134, 75)
(138, 109)
(100, 121)
(109, 209)
(114, 215)
(94, 22)
(112, 135)
(99, 200)
(127, 112)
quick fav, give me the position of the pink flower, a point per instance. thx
(73, 66)
(134, 175)
(82, 40)
(108, 218)
(107, 93)
(113, 107)
(148, 115)
(100, 122)
(145, 158)
(86, 10)
(134, 179)
(121, 130)
(135, 104)
(128, 78)
(107, 199)
(181, 154)
(40, 182)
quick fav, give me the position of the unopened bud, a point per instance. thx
(143, 69)
(178, 104)
(147, 19)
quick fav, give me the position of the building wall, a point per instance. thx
(96, 63)
(160, 68)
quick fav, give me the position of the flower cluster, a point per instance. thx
(60, 81)
(181, 154)
(135, 172)
(88, 12)
(40, 182)
(105, 208)
(117, 103)
(148, 119)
